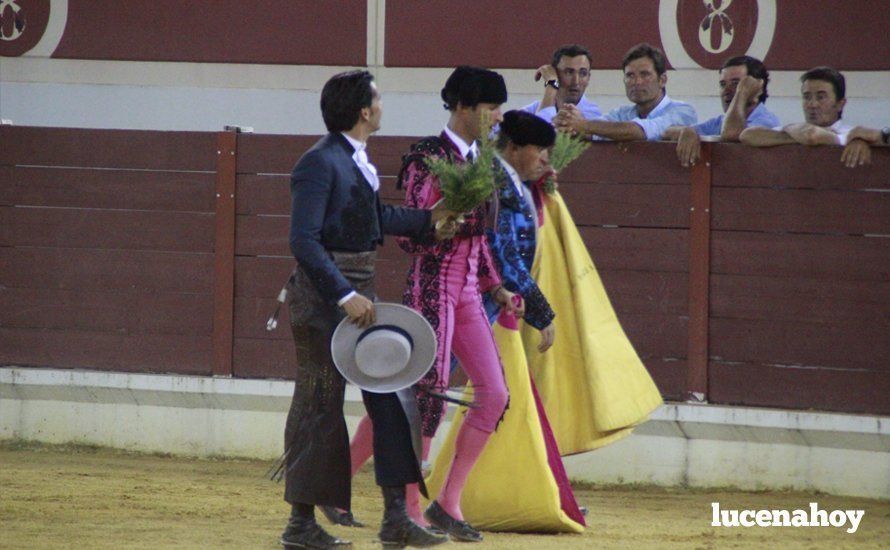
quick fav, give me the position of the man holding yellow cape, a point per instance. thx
(591, 383)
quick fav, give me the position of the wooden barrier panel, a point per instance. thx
(113, 270)
(112, 189)
(762, 278)
(159, 353)
(99, 228)
(105, 249)
(80, 148)
(800, 283)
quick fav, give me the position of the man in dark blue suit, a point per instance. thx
(337, 221)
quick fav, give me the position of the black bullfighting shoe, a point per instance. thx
(337, 517)
(307, 534)
(457, 529)
(401, 532)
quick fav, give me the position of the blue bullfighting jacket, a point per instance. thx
(513, 241)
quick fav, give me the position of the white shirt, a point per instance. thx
(521, 190)
(839, 128)
(842, 131)
(462, 145)
(514, 175)
(370, 172)
(361, 160)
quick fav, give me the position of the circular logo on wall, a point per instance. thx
(31, 27)
(22, 25)
(704, 33)
(712, 31)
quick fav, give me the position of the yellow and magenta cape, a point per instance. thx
(588, 390)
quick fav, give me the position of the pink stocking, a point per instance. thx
(362, 446)
(467, 448)
(412, 491)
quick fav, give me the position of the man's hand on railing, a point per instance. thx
(858, 149)
(688, 147)
(856, 153)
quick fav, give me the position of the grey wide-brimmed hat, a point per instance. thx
(392, 354)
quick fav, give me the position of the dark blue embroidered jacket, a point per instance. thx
(334, 208)
(513, 247)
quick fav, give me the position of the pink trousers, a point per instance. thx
(464, 329)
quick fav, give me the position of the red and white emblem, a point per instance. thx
(704, 33)
(31, 27)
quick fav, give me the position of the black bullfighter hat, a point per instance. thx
(470, 86)
(527, 129)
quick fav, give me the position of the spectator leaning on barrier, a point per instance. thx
(823, 91)
(565, 81)
(743, 91)
(652, 112)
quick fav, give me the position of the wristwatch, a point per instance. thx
(885, 135)
(553, 83)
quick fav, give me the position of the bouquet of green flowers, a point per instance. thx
(565, 150)
(465, 186)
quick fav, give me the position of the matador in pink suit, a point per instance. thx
(445, 284)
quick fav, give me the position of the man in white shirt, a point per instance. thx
(565, 80)
(823, 91)
(652, 110)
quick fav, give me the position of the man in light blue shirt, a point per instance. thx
(759, 116)
(823, 91)
(652, 112)
(743, 91)
(565, 80)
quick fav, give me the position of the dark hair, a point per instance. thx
(570, 50)
(827, 74)
(343, 98)
(755, 67)
(470, 86)
(645, 50)
(524, 128)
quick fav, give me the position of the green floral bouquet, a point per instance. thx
(467, 185)
(565, 150)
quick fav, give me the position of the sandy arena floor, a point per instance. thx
(83, 497)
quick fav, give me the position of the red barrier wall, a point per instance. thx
(297, 32)
(759, 278)
(523, 33)
(106, 242)
(788, 35)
